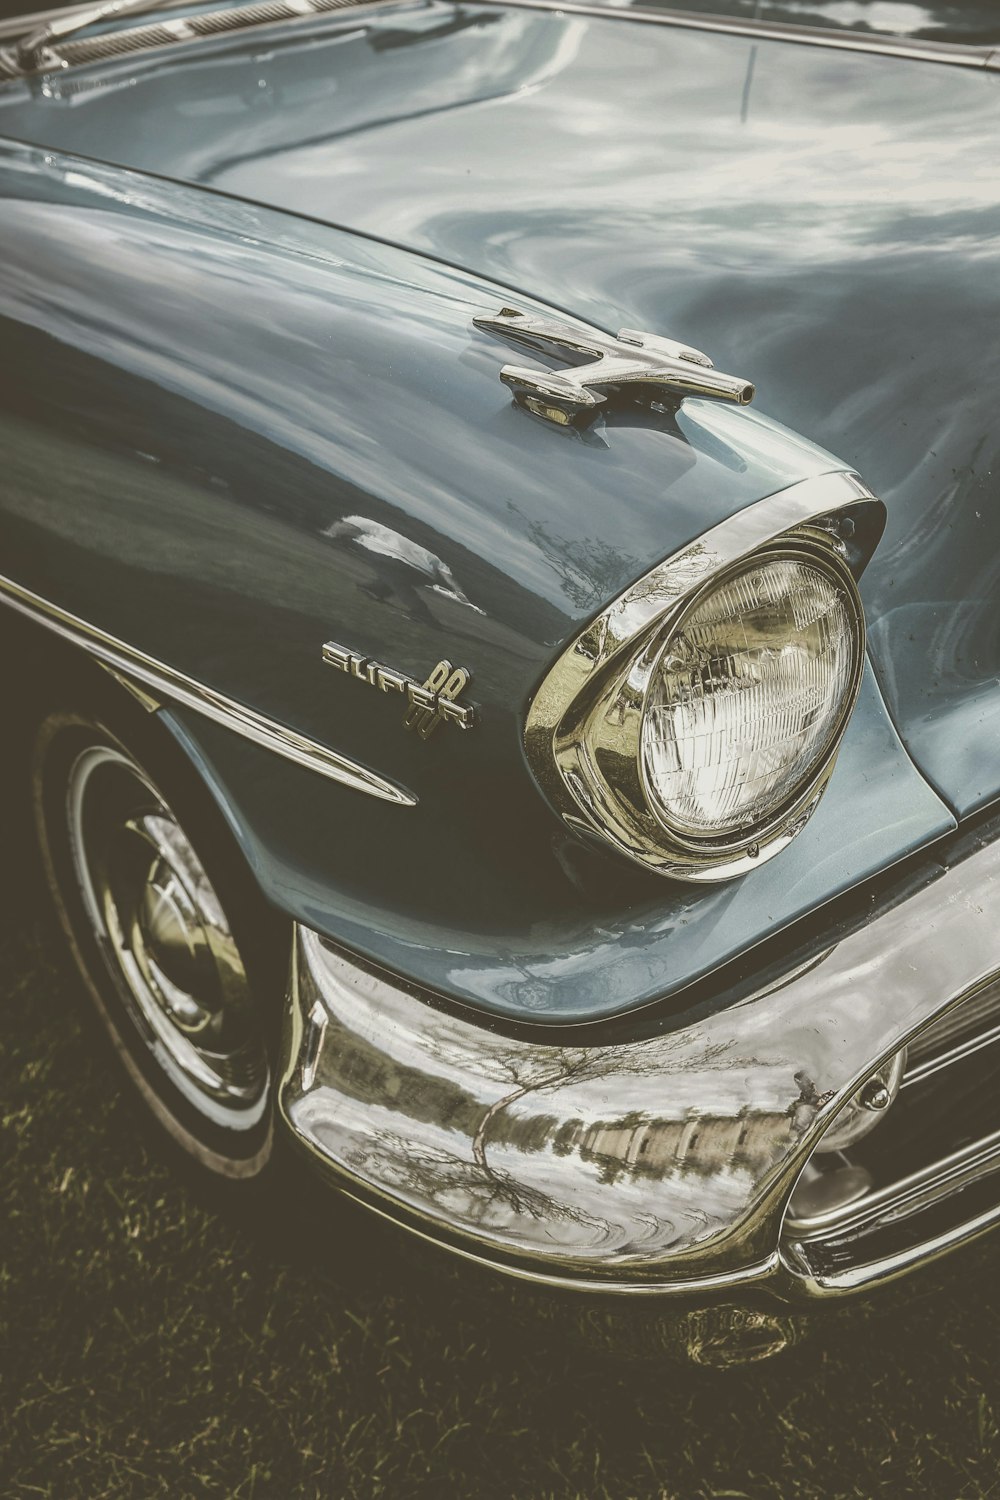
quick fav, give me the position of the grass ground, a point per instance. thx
(150, 1347)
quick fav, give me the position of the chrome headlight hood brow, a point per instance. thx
(584, 727)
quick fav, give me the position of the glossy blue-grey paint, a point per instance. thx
(231, 434)
(824, 222)
(542, 928)
(230, 437)
(969, 23)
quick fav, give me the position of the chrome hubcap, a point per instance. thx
(165, 938)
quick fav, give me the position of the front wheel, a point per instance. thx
(162, 922)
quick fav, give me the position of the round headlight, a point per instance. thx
(750, 692)
(694, 723)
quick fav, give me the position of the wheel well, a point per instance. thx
(39, 671)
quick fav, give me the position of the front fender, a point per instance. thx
(232, 435)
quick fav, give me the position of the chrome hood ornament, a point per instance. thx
(646, 364)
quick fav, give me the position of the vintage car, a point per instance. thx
(474, 740)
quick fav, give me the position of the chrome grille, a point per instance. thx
(932, 1165)
(973, 1023)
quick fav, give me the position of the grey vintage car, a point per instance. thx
(475, 740)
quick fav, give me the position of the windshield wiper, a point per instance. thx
(34, 54)
(40, 51)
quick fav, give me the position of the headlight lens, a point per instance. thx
(749, 692)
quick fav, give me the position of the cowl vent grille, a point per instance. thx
(109, 45)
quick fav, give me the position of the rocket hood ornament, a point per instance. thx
(600, 365)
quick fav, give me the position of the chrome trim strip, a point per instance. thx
(179, 688)
(877, 1273)
(967, 1048)
(955, 53)
(663, 1164)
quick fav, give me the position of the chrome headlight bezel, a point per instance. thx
(584, 725)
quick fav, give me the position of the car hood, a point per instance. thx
(824, 222)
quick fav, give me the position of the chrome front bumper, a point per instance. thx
(660, 1166)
